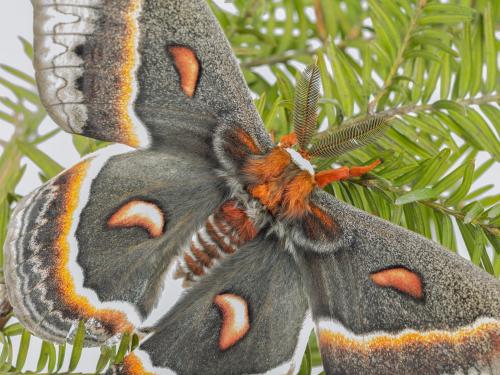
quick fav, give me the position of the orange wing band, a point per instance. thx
(132, 365)
(479, 342)
(114, 320)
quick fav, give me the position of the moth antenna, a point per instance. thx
(350, 137)
(305, 115)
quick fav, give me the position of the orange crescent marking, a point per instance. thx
(400, 279)
(126, 74)
(325, 219)
(141, 214)
(188, 67)
(247, 140)
(235, 322)
(115, 320)
(486, 330)
(132, 365)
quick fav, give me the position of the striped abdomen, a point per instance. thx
(221, 235)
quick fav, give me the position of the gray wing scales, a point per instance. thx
(249, 316)
(95, 242)
(390, 301)
(139, 72)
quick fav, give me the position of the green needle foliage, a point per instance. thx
(431, 65)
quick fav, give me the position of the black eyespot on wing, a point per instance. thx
(79, 84)
(79, 50)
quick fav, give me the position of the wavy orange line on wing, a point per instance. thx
(340, 341)
(126, 74)
(115, 320)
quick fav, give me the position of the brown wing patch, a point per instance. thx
(137, 213)
(238, 145)
(245, 139)
(187, 66)
(401, 279)
(319, 225)
(235, 321)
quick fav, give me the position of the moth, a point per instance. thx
(202, 199)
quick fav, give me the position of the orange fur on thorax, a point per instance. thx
(297, 191)
(268, 166)
(279, 184)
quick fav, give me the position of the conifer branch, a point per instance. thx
(436, 205)
(393, 72)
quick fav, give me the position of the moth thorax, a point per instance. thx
(300, 161)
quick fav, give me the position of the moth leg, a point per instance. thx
(325, 178)
(360, 171)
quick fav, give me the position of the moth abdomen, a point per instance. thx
(221, 235)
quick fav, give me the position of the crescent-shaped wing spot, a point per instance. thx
(141, 214)
(401, 279)
(235, 322)
(187, 66)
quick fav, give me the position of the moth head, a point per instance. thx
(344, 138)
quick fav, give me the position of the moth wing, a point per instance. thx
(95, 242)
(139, 72)
(249, 316)
(386, 300)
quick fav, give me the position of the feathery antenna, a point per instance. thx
(305, 113)
(350, 137)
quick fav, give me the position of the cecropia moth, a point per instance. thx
(204, 199)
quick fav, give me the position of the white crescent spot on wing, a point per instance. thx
(137, 213)
(235, 322)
